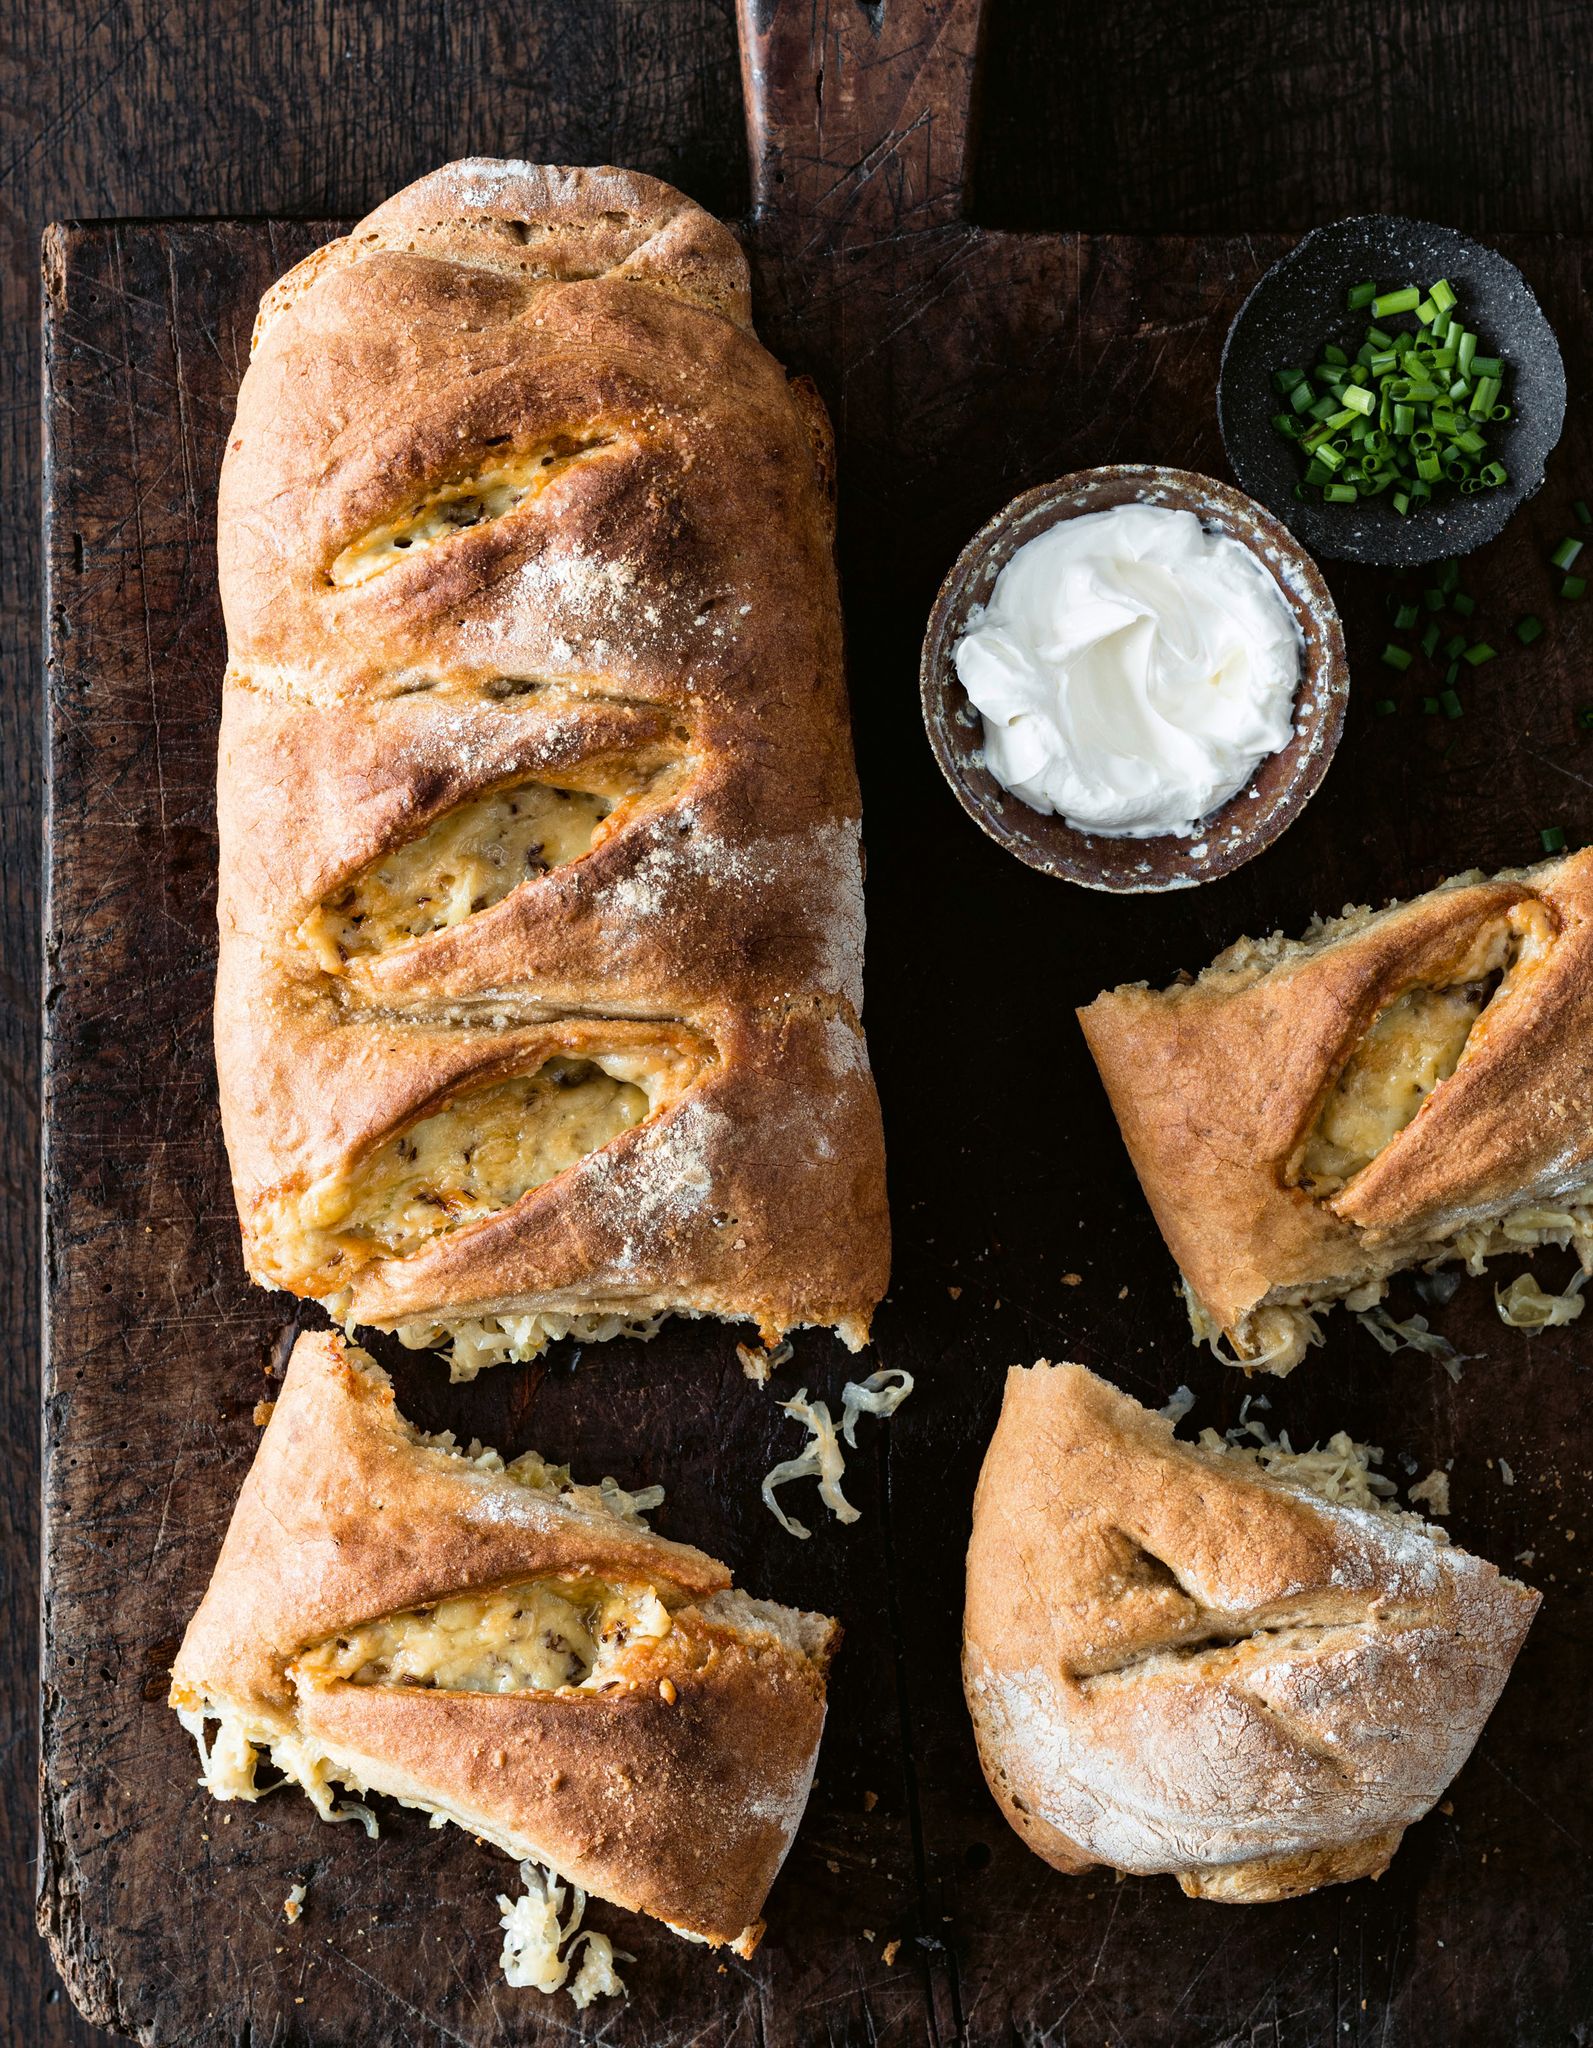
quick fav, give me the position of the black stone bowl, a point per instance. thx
(1299, 305)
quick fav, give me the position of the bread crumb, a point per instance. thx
(293, 1904)
(1432, 1492)
(1122, 1294)
(868, 1934)
(1447, 1806)
(955, 1293)
(870, 1801)
(1525, 1556)
(667, 1692)
(1075, 1280)
(1506, 1474)
(263, 1411)
(889, 1953)
(832, 1867)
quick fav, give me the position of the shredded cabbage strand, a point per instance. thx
(821, 1457)
(1525, 1306)
(540, 1942)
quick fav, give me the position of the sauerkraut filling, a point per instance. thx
(472, 1158)
(480, 1341)
(489, 492)
(538, 1635)
(1276, 1335)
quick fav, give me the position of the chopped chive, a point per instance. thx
(1463, 603)
(1566, 553)
(1478, 652)
(1453, 708)
(1448, 573)
(1529, 628)
(1584, 718)
(1395, 656)
(1385, 707)
(1402, 301)
(1433, 598)
(1487, 366)
(1452, 674)
(1430, 639)
(1455, 646)
(1582, 512)
(1572, 586)
(1553, 837)
(1405, 616)
(1442, 294)
(1430, 706)
(1340, 494)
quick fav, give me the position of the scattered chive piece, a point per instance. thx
(1463, 603)
(1430, 639)
(1385, 707)
(1340, 494)
(1553, 837)
(1430, 706)
(1442, 294)
(1433, 599)
(1453, 708)
(1572, 586)
(1448, 574)
(1396, 656)
(1405, 617)
(1478, 652)
(1455, 646)
(1452, 674)
(1582, 513)
(1402, 301)
(1566, 553)
(1529, 628)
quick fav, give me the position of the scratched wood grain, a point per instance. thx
(962, 366)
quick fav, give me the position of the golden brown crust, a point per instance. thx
(1175, 1662)
(667, 598)
(1216, 1083)
(676, 1792)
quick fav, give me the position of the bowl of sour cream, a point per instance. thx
(1134, 678)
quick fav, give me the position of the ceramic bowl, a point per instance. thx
(1282, 784)
(1300, 304)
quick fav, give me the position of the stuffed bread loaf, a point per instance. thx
(1177, 1661)
(1398, 1088)
(491, 1643)
(540, 896)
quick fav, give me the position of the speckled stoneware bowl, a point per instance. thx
(1281, 785)
(1300, 304)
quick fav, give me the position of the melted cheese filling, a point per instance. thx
(1413, 1046)
(491, 492)
(470, 859)
(1415, 1043)
(537, 1636)
(469, 1160)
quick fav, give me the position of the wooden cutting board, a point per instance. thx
(962, 366)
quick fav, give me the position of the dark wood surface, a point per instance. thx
(961, 367)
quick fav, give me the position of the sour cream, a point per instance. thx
(1132, 670)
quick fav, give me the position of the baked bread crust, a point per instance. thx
(1216, 1082)
(1176, 1662)
(682, 1807)
(666, 599)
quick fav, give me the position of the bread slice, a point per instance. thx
(498, 1646)
(1178, 1662)
(1396, 1089)
(540, 901)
